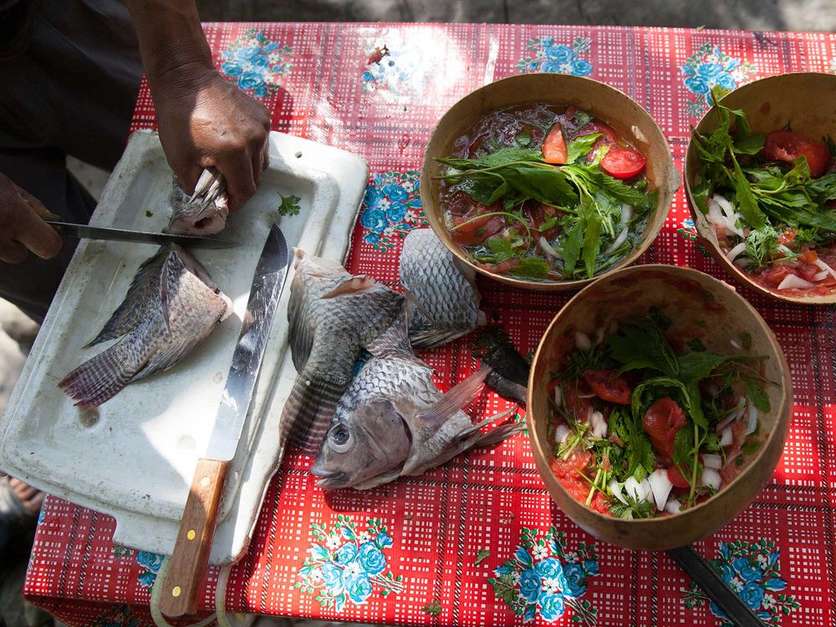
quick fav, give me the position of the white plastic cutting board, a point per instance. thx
(136, 462)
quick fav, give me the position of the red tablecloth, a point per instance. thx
(471, 542)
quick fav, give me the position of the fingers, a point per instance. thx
(37, 235)
(12, 252)
(240, 181)
(35, 204)
(260, 161)
(187, 175)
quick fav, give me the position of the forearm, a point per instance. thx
(171, 40)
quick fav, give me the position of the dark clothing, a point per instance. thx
(67, 87)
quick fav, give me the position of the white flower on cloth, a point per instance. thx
(763, 561)
(363, 536)
(552, 585)
(515, 577)
(333, 541)
(540, 552)
(354, 568)
(571, 556)
(736, 584)
(768, 601)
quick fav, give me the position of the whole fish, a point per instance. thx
(393, 421)
(444, 301)
(170, 307)
(203, 212)
(333, 316)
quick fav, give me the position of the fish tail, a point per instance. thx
(102, 377)
(308, 411)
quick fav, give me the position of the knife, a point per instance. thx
(85, 231)
(188, 562)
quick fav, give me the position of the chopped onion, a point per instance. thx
(726, 437)
(637, 490)
(617, 242)
(752, 419)
(824, 267)
(711, 478)
(561, 433)
(558, 395)
(736, 413)
(626, 213)
(820, 276)
(673, 506)
(661, 487)
(582, 341)
(547, 248)
(712, 461)
(599, 425)
(615, 490)
(736, 251)
(743, 262)
(794, 282)
(722, 213)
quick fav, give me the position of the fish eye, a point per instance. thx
(339, 437)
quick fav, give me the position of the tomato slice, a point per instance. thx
(661, 422)
(806, 271)
(471, 228)
(773, 275)
(789, 146)
(608, 386)
(623, 163)
(554, 148)
(676, 478)
(808, 256)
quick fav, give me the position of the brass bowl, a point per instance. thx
(805, 100)
(689, 298)
(604, 102)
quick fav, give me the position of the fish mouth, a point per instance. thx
(330, 479)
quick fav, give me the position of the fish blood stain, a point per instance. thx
(88, 416)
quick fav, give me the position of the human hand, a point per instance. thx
(206, 121)
(22, 227)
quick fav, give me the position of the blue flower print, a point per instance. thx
(753, 569)
(359, 588)
(710, 71)
(752, 594)
(708, 67)
(346, 554)
(347, 563)
(391, 208)
(530, 585)
(372, 558)
(556, 58)
(552, 606)
(697, 84)
(543, 579)
(744, 568)
(150, 563)
(576, 580)
(255, 63)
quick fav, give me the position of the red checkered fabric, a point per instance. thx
(378, 89)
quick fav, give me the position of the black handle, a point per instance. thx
(698, 569)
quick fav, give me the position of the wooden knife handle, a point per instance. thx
(188, 563)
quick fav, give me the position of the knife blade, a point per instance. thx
(85, 231)
(190, 558)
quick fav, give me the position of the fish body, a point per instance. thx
(333, 315)
(393, 421)
(203, 212)
(444, 301)
(170, 307)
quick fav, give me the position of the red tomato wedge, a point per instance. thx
(623, 163)
(554, 148)
(676, 478)
(473, 229)
(661, 422)
(789, 146)
(608, 386)
(773, 275)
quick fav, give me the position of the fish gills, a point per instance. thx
(203, 212)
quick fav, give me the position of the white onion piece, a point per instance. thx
(626, 213)
(794, 282)
(618, 241)
(615, 490)
(736, 251)
(711, 478)
(824, 267)
(712, 461)
(547, 248)
(820, 276)
(743, 262)
(735, 344)
(582, 341)
(673, 506)
(736, 413)
(599, 425)
(561, 433)
(726, 437)
(660, 486)
(752, 419)
(722, 213)
(558, 395)
(633, 488)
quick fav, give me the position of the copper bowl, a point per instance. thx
(604, 102)
(807, 101)
(689, 298)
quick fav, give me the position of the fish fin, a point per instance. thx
(300, 333)
(172, 271)
(352, 285)
(456, 397)
(500, 433)
(430, 338)
(164, 359)
(394, 341)
(308, 411)
(102, 377)
(128, 315)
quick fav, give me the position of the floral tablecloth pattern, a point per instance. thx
(478, 541)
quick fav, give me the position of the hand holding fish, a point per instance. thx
(204, 121)
(22, 228)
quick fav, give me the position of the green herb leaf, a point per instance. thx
(762, 245)
(532, 268)
(651, 390)
(289, 206)
(756, 394)
(571, 247)
(591, 244)
(746, 202)
(641, 344)
(695, 366)
(750, 144)
(580, 146)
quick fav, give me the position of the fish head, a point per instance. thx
(198, 214)
(370, 441)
